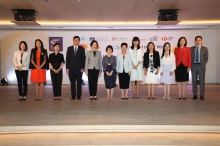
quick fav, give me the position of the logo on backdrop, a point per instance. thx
(84, 46)
(82, 39)
(119, 39)
(98, 38)
(167, 38)
(143, 46)
(116, 47)
(159, 47)
(154, 38)
(53, 40)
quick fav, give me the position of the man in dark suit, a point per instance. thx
(75, 63)
(199, 55)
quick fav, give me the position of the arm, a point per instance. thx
(158, 65)
(15, 60)
(86, 63)
(173, 62)
(83, 60)
(189, 58)
(103, 64)
(118, 63)
(100, 62)
(67, 58)
(32, 59)
(206, 57)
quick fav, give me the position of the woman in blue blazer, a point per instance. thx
(123, 69)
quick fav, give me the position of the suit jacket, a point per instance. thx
(204, 55)
(123, 63)
(93, 61)
(42, 57)
(25, 60)
(75, 63)
(156, 59)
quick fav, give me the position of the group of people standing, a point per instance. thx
(130, 66)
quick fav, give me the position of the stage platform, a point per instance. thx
(133, 115)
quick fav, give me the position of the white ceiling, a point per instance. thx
(111, 14)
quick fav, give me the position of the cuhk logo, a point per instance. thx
(164, 38)
(154, 38)
(82, 39)
(92, 38)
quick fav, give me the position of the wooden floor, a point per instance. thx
(47, 112)
(110, 139)
(108, 112)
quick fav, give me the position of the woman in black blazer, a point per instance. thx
(151, 66)
(38, 66)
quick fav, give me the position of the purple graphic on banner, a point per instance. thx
(53, 40)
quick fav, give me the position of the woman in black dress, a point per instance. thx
(56, 61)
(109, 69)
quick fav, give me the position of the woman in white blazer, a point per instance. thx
(93, 68)
(123, 69)
(21, 62)
(168, 66)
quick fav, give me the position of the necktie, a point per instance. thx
(75, 50)
(197, 54)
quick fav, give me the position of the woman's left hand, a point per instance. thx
(188, 70)
(171, 73)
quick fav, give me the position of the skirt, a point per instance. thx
(181, 73)
(166, 78)
(124, 80)
(38, 75)
(110, 81)
(151, 77)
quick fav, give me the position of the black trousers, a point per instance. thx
(22, 81)
(56, 79)
(75, 76)
(93, 75)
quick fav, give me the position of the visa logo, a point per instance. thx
(159, 46)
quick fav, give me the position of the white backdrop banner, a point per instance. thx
(10, 41)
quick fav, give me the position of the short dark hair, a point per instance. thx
(148, 50)
(75, 37)
(124, 44)
(109, 47)
(56, 44)
(178, 44)
(135, 39)
(198, 37)
(42, 45)
(25, 45)
(94, 41)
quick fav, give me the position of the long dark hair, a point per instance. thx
(148, 50)
(133, 40)
(164, 49)
(42, 45)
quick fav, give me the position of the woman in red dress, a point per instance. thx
(183, 65)
(38, 65)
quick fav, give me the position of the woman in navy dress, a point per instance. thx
(109, 69)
